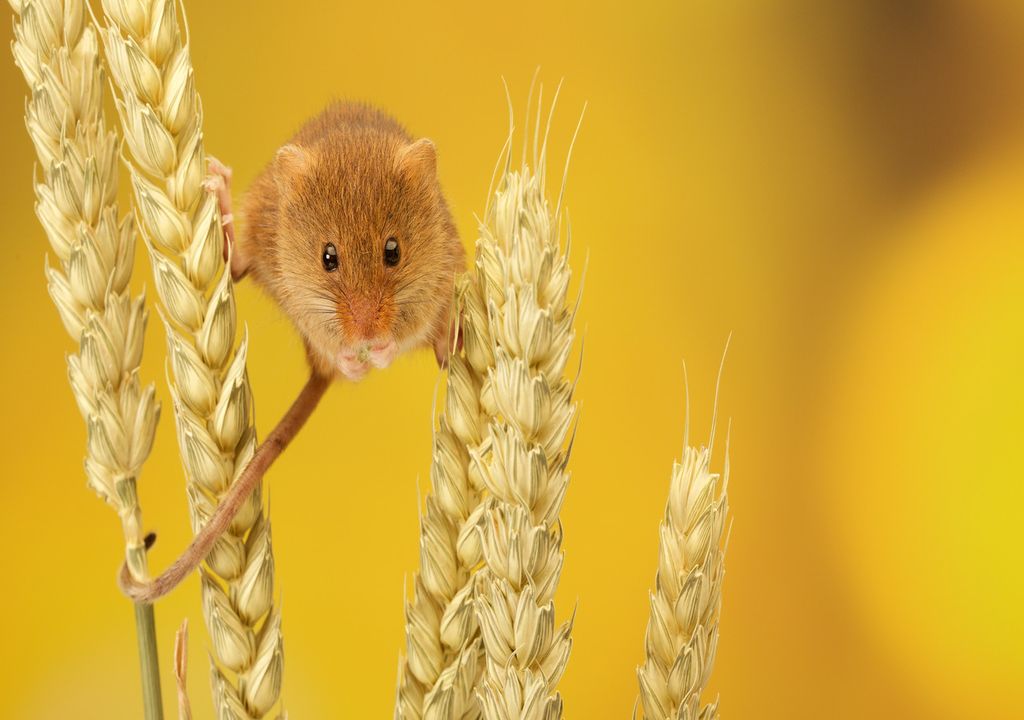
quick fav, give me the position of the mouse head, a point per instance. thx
(369, 249)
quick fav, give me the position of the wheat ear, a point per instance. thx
(524, 279)
(682, 634)
(490, 547)
(77, 206)
(180, 222)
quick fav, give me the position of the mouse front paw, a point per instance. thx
(353, 368)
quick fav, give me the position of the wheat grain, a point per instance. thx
(480, 631)
(161, 116)
(77, 206)
(682, 634)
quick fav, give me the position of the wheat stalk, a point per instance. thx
(682, 634)
(480, 631)
(161, 115)
(77, 206)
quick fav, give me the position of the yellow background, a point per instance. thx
(840, 184)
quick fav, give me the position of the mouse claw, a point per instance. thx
(216, 167)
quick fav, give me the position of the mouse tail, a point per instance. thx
(146, 591)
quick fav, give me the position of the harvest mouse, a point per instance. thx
(348, 231)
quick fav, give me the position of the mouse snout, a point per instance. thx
(365, 322)
(362, 319)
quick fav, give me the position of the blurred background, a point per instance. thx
(838, 184)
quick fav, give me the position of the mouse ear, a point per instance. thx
(290, 160)
(417, 161)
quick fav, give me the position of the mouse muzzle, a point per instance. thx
(367, 340)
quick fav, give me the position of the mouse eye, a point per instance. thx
(330, 257)
(391, 252)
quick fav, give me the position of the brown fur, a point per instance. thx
(353, 176)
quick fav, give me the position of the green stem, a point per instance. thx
(149, 662)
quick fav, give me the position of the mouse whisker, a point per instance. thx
(404, 285)
(328, 298)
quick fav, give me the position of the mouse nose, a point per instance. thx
(363, 315)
